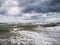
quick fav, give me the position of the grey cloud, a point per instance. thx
(1, 8)
(1, 2)
(41, 6)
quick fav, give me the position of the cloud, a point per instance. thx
(41, 6)
(30, 17)
(11, 3)
(53, 19)
(29, 11)
(13, 19)
(13, 11)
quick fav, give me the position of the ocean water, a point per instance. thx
(47, 36)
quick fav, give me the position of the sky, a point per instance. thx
(25, 11)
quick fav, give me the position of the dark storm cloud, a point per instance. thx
(2, 11)
(1, 3)
(41, 6)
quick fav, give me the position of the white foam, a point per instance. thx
(28, 38)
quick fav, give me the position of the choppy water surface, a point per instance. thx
(47, 36)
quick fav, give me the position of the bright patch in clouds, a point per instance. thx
(11, 2)
(53, 19)
(13, 11)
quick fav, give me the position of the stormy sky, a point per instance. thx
(18, 11)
